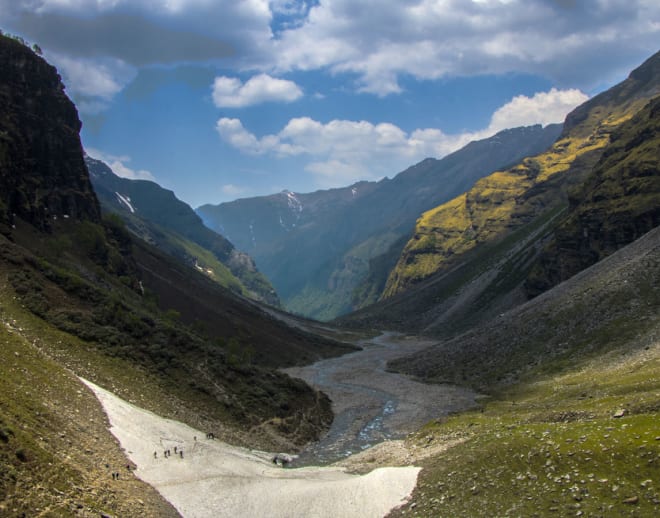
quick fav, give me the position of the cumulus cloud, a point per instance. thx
(375, 42)
(230, 92)
(233, 191)
(344, 151)
(542, 108)
(118, 165)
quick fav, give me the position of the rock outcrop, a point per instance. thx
(42, 172)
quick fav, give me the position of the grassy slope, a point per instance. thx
(54, 437)
(550, 443)
(171, 225)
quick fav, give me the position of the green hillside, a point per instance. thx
(159, 217)
(570, 424)
(618, 203)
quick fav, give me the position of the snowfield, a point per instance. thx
(214, 479)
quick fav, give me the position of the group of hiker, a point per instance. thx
(167, 453)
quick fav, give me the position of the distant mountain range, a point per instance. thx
(322, 251)
(160, 218)
(522, 230)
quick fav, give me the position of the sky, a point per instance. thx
(226, 99)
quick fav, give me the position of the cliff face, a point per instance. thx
(42, 172)
(618, 203)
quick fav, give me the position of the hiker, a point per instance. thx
(155, 455)
(181, 453)
(175, 450)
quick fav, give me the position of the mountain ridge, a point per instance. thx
(327, 245)
(153, 213)
(510, 198)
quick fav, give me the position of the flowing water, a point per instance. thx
(372, 405)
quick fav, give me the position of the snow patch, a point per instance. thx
(126, 201)
(216, 480)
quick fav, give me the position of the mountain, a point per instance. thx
(80, 295)
(159, 217)
(482, 253)
(318, 248)
(511, 198)
(617, 204)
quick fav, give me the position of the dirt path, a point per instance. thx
(372, 405)
(213, 479)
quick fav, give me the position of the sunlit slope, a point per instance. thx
(508, 199)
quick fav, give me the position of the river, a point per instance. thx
(372, 405)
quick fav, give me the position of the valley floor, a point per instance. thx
(211, 478)
(372, 405)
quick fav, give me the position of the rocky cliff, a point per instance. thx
(42, 172)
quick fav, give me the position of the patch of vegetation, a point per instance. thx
(618, 203)
(583, 443)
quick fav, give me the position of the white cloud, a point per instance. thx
(543, 108)
(573, 43)
(118, 165)
(232, 190)
(344, 151)
(230, 92)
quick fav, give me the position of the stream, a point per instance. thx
(372, 405)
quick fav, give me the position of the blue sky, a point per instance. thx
(221, 99)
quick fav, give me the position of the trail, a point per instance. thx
(372, 405)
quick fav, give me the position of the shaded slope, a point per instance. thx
(316, 248)
(509, 199)
(618, 203)
(158, 216)
(614, 302)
